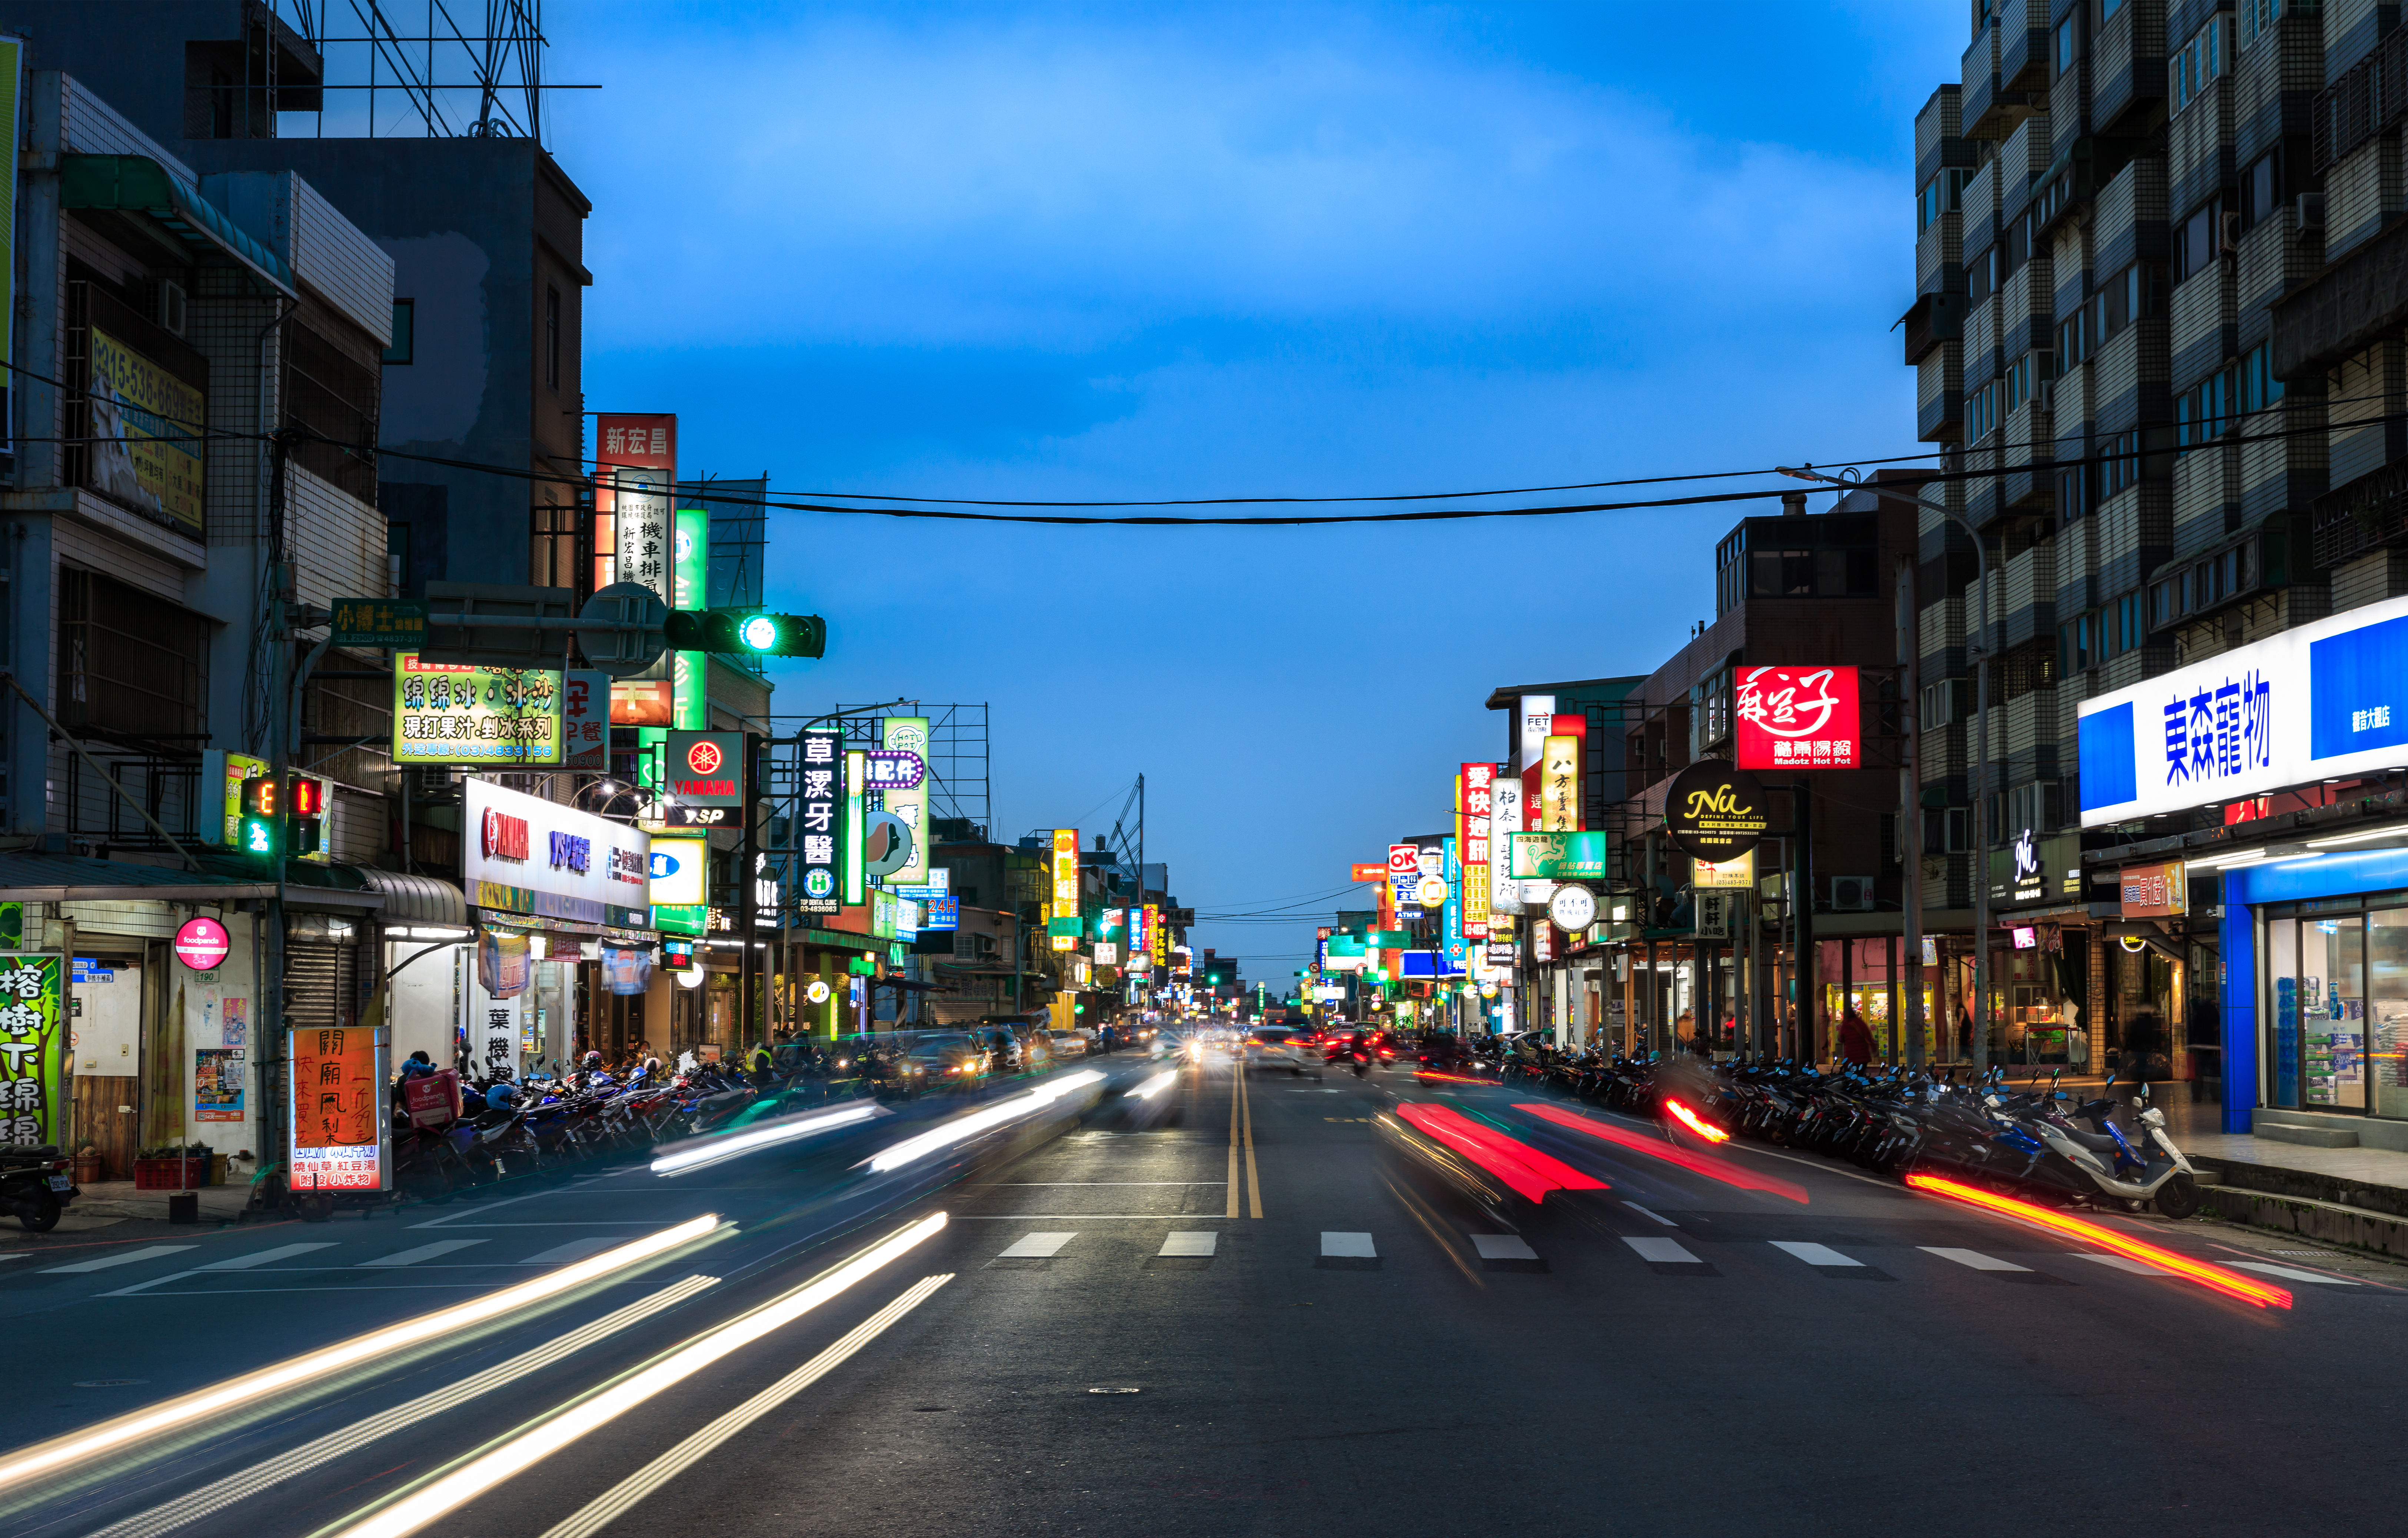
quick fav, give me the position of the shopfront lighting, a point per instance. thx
(2395, 831)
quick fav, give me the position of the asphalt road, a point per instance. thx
(1216, 1309)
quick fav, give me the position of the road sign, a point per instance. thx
(380, 622)
(502, 644)
(623, 653)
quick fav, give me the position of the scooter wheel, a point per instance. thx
(45, 1215)
(2178, 1197)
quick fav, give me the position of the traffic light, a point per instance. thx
(269, 816)
(736, 631)
(256, 830)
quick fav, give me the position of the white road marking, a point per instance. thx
(148, 1252)
(1974, 1258)
(425, 1252)
(1663, 1252)
(576, 1249)
(2293, 1273)
(2123, 1263)
(1645, 1213)
(1037, 1246)
(1348, 1246)
(1814, 1255)
(244, 1262)
(1190, 1244)
(1502, 1247)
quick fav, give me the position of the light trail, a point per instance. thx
(696, 1153)
(2206, 1273)
(965, 1128)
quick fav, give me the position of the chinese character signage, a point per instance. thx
(1796, 718)
(1739, 873)
(1404, 874)
(636, 467)
(585, 719)
(1504, 822)
(493, 717)
(1559, 857)
(33, 1048)
(1064, 873)
(1559, 775)
(1475, 792)
(689, 585)
(1457, 949)
(851, 850)
(820, 804)
(2154, 891)
(897, 735)
(379, 622)
(338, 1095)
(145, 449)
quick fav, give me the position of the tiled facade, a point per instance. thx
(2173, 368)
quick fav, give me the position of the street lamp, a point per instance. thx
(1980, 751)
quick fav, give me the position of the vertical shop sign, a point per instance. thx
(1457, 948)
(909, 734)
(822, 817)
(1157, 936)
(689, 584)
(1476, 791)
(1560, 776)
(1504, 821)
(634, 471)
(850, 854)
(1404, 874)
(338, 1094)
(33, 1048)
(1065, 901)
(585, 719)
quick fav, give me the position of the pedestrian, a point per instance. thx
(1855, 1038)
(1685, 1032)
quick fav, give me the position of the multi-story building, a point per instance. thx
(2158, 330)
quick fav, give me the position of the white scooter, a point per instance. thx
(2156, 1171)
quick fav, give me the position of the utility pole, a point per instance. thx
(1910, 804)
(281, 733)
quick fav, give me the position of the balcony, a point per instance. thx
(2023, 47)
(2128, 66)
(1981, 94)
(1936, 318)
(2369, 514)
(2027, 597)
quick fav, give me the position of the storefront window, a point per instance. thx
(2332, 1012)
(2282, 969)
(2387, 958)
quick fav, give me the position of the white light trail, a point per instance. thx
(693, 1156)
(977, 1122)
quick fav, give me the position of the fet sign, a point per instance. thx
(1796, 718)
(202, 943)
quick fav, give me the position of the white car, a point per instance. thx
(1068, 1044)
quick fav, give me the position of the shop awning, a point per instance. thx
(139, 184)
(29, 876)
(412, 899)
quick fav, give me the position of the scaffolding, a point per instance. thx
(958, 783)
(404, 70)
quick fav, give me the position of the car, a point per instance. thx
(1067, 1044)
(945, 1060)
(1276, 1046)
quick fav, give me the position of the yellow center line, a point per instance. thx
(1234, 1092)
(1253, 1183)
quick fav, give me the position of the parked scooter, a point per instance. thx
(36, 1185)
(2147, 1169)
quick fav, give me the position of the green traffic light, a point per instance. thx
(732, 631)
(758, 633)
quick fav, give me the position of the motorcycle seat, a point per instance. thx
(17, 1153)
(723, 1099)
(2096, 1142)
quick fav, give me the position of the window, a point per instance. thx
(2122, 465)
(2064, 48)
(552, 336)
(2074, 338)
(404, 331)
(2199, 63)
(2257, 17)
(333, 396)
(2072, 492)
(1982, 275)
(2137, 293)
(2203, 412)
(2259, 388)
(130, 665)
(1944, 193)
(1981, 411)
(2199, 239)
(2074, 645)
(2262, 188)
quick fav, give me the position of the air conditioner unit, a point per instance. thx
(2229, 236)
(169, 311)
(1851, 893)
(2312, 213)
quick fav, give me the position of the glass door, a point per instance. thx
(2332, 1012)
(2386, 961)
(2283, 1011)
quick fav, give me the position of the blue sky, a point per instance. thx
(1160, 251)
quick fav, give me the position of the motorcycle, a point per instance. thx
(36, 1185)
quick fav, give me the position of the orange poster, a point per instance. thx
(337, 1094)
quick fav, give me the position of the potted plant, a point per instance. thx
(87, 1163)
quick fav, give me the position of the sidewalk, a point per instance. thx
(2357, 1196)
(105, 1204)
